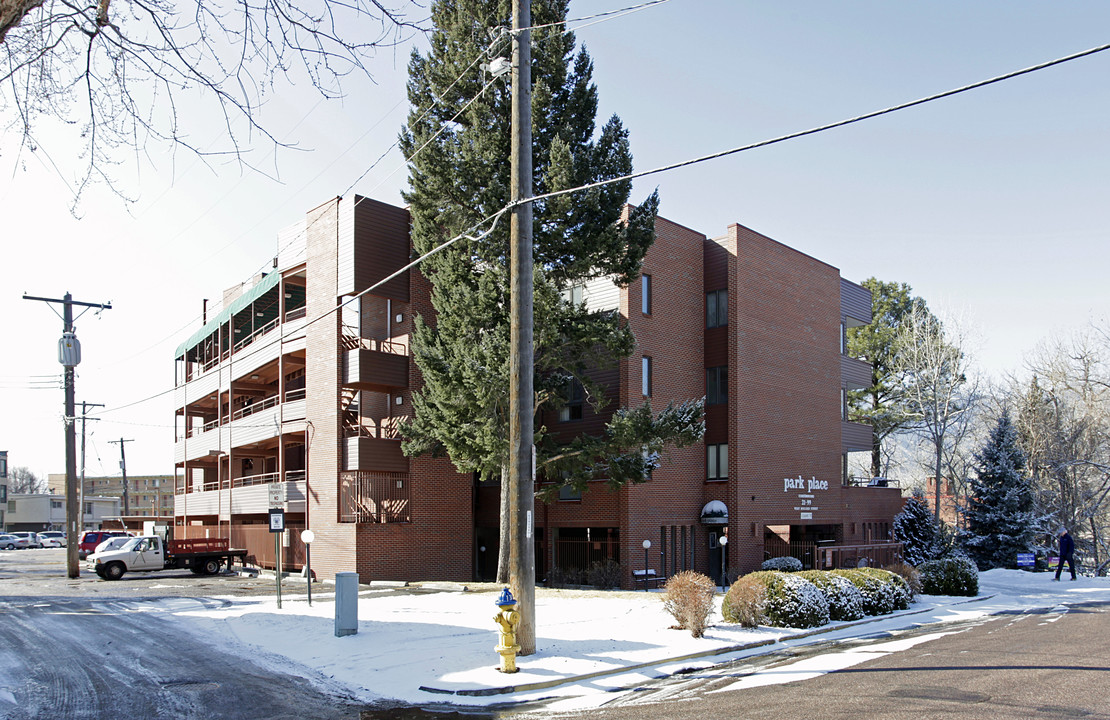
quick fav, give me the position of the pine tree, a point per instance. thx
(1000, 517)
(458, 139)
(917, 530)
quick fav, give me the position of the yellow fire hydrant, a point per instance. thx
(507, 620)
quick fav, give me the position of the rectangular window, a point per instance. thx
(716, 308)
(574, 294)
(645, 375)
(573, 409)
(716, 385)
(843, 339)
(645, 294)
(716, 462)
(567, 493)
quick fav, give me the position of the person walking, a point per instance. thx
(1067, 553)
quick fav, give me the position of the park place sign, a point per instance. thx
(805, 507)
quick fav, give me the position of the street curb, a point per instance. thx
(546, 684)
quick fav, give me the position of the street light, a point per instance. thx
(647, 546)
(307, 536)
(723, 542)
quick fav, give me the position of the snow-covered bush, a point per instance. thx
(900, 589)
(784, 564)
(845, 600)
(956, 575)
(786, 601)
(688, 597)
(880, 596)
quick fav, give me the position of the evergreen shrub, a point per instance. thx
(956, 575)
(880, 595)
(899, 588)
(786, 601)
(784, 564)
(845, 600)
(688, 597)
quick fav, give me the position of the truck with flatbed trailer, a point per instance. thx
(147, 553)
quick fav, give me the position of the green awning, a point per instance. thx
(238, 304)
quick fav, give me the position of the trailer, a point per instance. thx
(148, 553)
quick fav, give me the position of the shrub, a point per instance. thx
(956, 575)
(744, 602)
(688, 597)
(785, 601)
(605, 575)
(899, 588)
(845, 600)
(785, 564)
(565, 577)
(880, 596)
(910, 574)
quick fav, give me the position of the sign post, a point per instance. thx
(277, 528)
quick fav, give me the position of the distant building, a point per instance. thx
(282, 401)
(3, 487)
(148, 496)
(950, 504)
(39, 512)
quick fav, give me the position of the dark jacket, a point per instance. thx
(1067, 546)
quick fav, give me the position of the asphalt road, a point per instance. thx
(1052, 665)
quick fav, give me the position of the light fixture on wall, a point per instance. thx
(398, 400)
(399, 317)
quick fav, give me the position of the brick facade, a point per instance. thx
(418, 518)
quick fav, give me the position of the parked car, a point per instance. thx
(32, 538)
(91, 538)
(112, 543)
(12, 542)
(52, 538)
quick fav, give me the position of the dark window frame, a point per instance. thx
(716, 385)
(645, 294)
(715, 451)
(716, 308)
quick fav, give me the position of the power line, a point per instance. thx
(821, 128)
(495, 217)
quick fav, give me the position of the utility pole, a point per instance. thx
(81, 492)
(123, 467)
(69, 355)
(522, 553)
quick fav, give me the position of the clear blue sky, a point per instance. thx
(993, 204)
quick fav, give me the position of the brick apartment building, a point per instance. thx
(278, 390)
(148, 496)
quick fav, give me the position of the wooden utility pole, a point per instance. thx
(81, 488)
(123, 468)
(522, 555)
(69, 355)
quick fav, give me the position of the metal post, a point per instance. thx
(277, 566)
(81, 490)
(647, 546)
(522, 553)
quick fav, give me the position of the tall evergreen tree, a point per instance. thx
(457, 141)
(1000, 516)
(918, 531)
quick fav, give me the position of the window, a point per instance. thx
(55, 504)
(716, 462)
(569, 494)
(645, 375)
(716, 308)
(645, 294)
(843, 404)
(574, 294)
(573, 409)
(716, 385)
(843, 339)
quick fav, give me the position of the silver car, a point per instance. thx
(12, 542)
(32, 539)
(52, 538)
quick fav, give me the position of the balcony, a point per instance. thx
(854, 374)
(855, 437)
(246, 496)
(374, 453)
(382, 367)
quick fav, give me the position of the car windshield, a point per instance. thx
(130, 544)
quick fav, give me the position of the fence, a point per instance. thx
(373, 497)
(827, 557)
(258, 542)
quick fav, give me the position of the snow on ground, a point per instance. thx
(438, 647)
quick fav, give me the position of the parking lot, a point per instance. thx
(42, 572)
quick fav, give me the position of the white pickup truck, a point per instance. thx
(204, 556)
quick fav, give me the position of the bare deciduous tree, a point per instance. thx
(119, 71)
(934, 366)
(1064, 424)
(22, 481)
